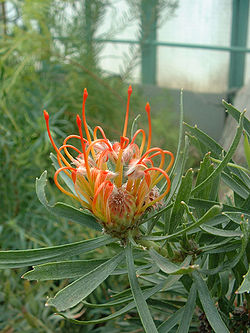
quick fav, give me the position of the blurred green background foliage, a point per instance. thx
(47, 58)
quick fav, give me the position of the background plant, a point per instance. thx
(46, 60)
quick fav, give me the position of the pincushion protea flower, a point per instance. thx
(117, 181)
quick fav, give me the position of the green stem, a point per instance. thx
(231, 165)
(248, 301)
(150, 244)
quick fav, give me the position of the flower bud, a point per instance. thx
(122, 208)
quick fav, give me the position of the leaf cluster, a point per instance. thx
(188, 268)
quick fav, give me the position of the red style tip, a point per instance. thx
(129, 90)
(78, 121)
(46, 115)
(85, 94)
(147, 108)
(124, 142)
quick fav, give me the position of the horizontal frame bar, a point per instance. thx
(170, 44)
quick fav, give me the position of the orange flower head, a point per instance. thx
(116, 181)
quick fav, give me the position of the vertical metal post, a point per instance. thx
(240, 17)
(148, 37)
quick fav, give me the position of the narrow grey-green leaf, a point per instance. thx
(232, 262)
(125, 296)
(165, 285)
(213, 211)
(171, 322)
(62, 269)
(242, 178)
(182, 195)
(245, 286)
(246, 203)
(140, 302)
(226, 159)
(188, 311)
(81, 288)
(206, 168)
(236, 217)
(224, 283)
(217, 151)
(180, 138)
(221, 232)
(218, 219)
(170, 268)
(236, 115)
(247, 149)
(200, 203)
(209, 307)
(146, 294)
(109, 304)
(22, 258)
(63, 210)
(234, 185)
(177, 172)
(211, 144)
